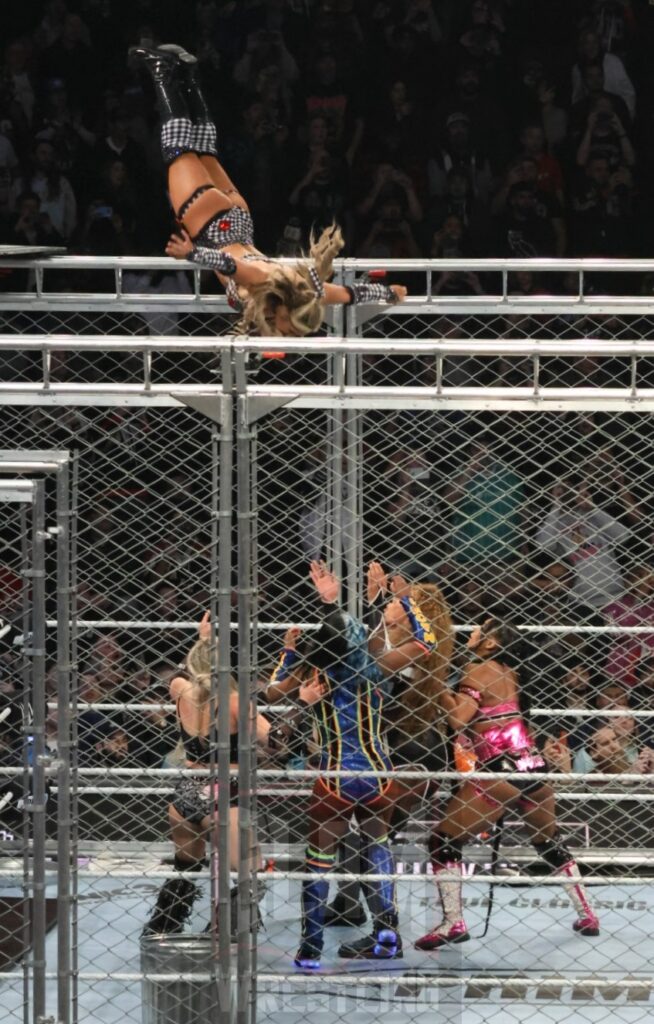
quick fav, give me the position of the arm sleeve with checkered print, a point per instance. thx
(213, 259)
(370, 291)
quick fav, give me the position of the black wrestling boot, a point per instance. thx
(344, 913)
(233, 901)
(164, 69)
(183, 56)
(176, 124)
(204, 130)
(197, 104)
(384, 943)
(173, 907)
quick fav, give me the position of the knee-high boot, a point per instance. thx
(385, 942)
(176, 124)
(446, 855)
(346, 908)
(314, 899)
(174, 901)
(204, 132)
(558, 857)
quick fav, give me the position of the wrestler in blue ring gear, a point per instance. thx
(348, 721)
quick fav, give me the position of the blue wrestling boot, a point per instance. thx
(384, 943)
(308, 956)
(314, 900)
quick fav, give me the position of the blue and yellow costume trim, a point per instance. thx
(348, 719)
(423, 634)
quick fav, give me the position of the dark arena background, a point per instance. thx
(168, 476)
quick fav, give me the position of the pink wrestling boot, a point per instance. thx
(452, 928)
(587, 922)
(443, 935)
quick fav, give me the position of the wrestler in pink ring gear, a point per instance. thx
(512, 745)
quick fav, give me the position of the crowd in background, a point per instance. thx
(425, 127)
(556, 538)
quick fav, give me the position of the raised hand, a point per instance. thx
(204, 628)
(400, 587)
(377, 581)
(178, 247)
(325, 582)
(291, 637)
(312, 692)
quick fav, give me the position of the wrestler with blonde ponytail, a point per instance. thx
(194, 800)
(216, 229)
(293, 289)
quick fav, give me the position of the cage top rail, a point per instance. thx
(279, 626)
(295, 774)
(130, 290)
(497, 265)
(407, 346)
(280, 709)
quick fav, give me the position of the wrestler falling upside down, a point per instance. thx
(215, 223)
(487, 708)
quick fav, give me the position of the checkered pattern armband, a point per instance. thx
(213, 259)
(233, 298)
(371, 292)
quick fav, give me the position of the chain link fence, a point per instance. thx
(489, 445)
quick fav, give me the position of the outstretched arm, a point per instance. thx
(405, 656)
(221, 262)
(376, 591)
(336, 294)
(284, 682)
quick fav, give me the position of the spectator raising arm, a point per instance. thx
(604, 130)
(590, 537)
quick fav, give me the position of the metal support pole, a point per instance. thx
(26, 930)
(352, 537)
(244, 957)
(334, 459)
(352, 558)
(57, 462)
(63, 745)
(252, 707)
(334, 525)
(74, 757)
(37, 652)
(221, 586)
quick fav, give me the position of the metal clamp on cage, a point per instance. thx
(213, 259)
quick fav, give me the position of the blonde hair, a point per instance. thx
(417, 706)
(282, 288)
(198, 666)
